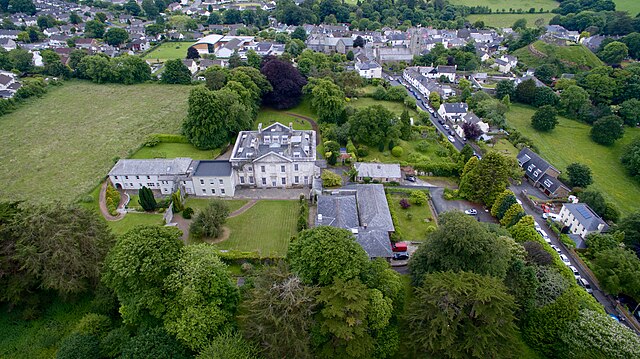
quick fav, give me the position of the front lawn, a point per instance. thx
(60, 146)
(570, 142)
(131, 220)
(174, 150)
(414, 222)
(430, 151)
(265, 228)
(200, 203)
(268, 116)
(169, 51)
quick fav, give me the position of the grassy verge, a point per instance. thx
(60, 146)
(265, 228)
(169, 50)
(570, 142)
(414, 222)
(201, 203)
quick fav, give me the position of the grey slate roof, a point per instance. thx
(378, 170)
(375, 242)
(534, 166)
(550, 183)
(298, 145)
(457, 107)
(580, 244)
(373, 207)
(158, 167)
(586, 216)
(212, 169)
(338, 211)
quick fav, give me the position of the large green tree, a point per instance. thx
(136, 269)
(545, 118)
(462, 315)
(618, 271)
(505, 88)
(607, 130)
(630, 158)
(154, 343)
(229, 346)
(277, 313)
(94, 29)
(327, 99)
(483, 180)
(208, 222)
(630, 225)
(203, 298)
(175, 72)
(323, 253)
(629, 112)
(373, 125)
(116, 36)
(130, 70)
(579, 175)
(613, 53)
(572, 99)
(461, 244)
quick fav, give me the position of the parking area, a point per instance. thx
(411, 247)
(442, 205)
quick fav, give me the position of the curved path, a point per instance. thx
(103, 204)
(311, 121)
(243, 209)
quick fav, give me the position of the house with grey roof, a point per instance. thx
(165, 175)
(213, 178)
(369, 69)
(364, 212)
(453, 111)
(541, 174)
(277, 156)
(581, 219)
(380, 172)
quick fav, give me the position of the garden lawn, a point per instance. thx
(174, 150)
(199, 204)
(435, 152)
(62, 145)
(507, 20)
(265, 228)
(512, 4)
(395, 107)
(39, 338)
(570, 142)
(169, 51)
(632, 6)
(268, 116)
(131, 220)
(416, 228)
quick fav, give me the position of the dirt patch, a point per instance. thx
(226, 232)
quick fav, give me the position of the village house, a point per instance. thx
(369, 70)
(453, 111)
(329, 44)
(277, 156)
(541, 174)
(380, 172)
(581, 219)
(165, 175)
(363, 211)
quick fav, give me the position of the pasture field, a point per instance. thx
(169, 51)
(570, 142)
(577, 56)
(62, 145)
(507, 20)
(513, 4)
(631, 6)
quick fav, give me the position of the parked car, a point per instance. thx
(440, 121)
(565, 260)
(544, 235)
(576, 274)
(451, 139)
(433, 114)
(399, 256)
(614, 317)
(399, 247)
(470, 211)
(446, 127)
(410, 178)
(583, 282)
(556, 248)
(452, 133)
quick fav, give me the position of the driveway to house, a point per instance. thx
(271, 193)
(442, 205)
(607, 301)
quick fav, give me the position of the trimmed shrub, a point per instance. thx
(330, 179)
(397, 151)
(112, 199)
(419, 198)
(187, 213)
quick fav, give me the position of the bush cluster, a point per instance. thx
(112, 199)
(303, 214)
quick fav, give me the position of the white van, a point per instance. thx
(583, 282)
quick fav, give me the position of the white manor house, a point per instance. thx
(274, 157)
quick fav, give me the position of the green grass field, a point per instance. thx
(169, 51)
(173, 150)
(416, 228)
(507, 20)
(131, 220)
(60, 146)
(570, 142)
(268, 116)
(39, 338)
(200, 203)
(632, 6)
(434, 153)
(506, 5)
(265, 228)
(575, 55)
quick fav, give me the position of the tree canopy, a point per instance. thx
(286, 82)
(483, 180)
(607, 130)
(579, 175)
(175, 72)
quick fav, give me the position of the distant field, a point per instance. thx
(173, 150)
(507, 20)
(576, 55)
(632, 6)
(570, 142)
(264, 228)
(169, 50)
(60, 146)
(513, 4)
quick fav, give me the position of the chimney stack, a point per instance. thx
(260, 127)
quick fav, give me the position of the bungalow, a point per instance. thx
(380, 172)
(581, 219)
(364, 212)
(541, 174)
(453, 111)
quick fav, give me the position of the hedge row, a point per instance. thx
(397, 235)
(303, 215)
(438, 169)
(112, 199)
(157, 138)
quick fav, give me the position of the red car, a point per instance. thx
(399, 247)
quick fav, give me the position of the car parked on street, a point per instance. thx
(584, 283)
(470, 211)
(565, 260)
(446, 127)
(451, 139)
(556, 248)
(576, 274)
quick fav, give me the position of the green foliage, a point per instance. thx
(502, 203)
(79, 346)
(116, 36)
(152, 344)
(524, 230)
(460, 244)
(112, 343)
(596, 335)
(418, 198)
(551, 285)
(462, 315)
(175, 72)
(136, 268)
(607, 130)
(573, 99)
(545, 118)
(93, 324)
(613, 53)
(397, 151)
(630, 226)
(631, 158)
(483, 180)
(187, 213)
(327, 99)
(579, 175)
(203, 297)
(303, 215)
(146, 199)
(208, 222)
(279, 303)
(229, 346)
(330, 179)
(512, 215)
(373, 126)
(112, 199)
(629, 112)
(178, 206)
(323, 253)
(618, 271)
